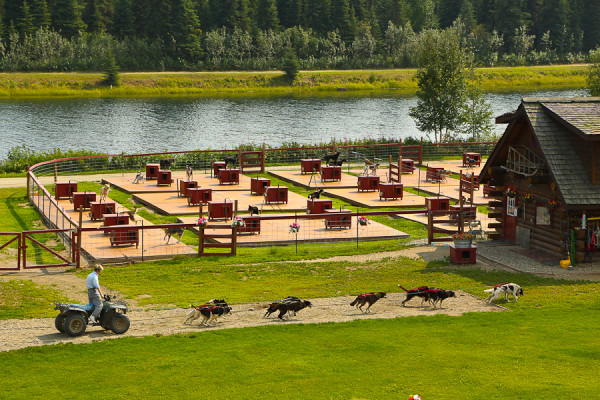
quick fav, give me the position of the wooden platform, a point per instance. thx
(125, 184)
(310, 181)
(97, 245)
(371, 199)
(276, 232)
(171, 204)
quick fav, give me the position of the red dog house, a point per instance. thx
(115, 219)
(470, 212)
(434, 174)
(318, 206)
(252, 225)
(463, 256)
(368, 183)
(471, 159)
(259, 185)
(64, 190)
(227, 175)
(217, 166)
(338, 218)
(220, 210)
(331, 173)
(152, 171)
(83, 199)
(408, 166)
(307, 166)
(184, 186)
(164, 178)
(276, 194)
(99, 209)
(197, 196)
(124, 236)
(391, 190)
(437, 203)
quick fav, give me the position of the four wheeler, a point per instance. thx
(74, 318)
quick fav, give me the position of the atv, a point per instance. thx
(74, 318)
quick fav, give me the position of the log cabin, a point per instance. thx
(545, 177)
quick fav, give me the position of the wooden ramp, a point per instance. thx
(125, 183)
(310, 181)
(372, 200)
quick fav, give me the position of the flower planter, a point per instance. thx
(463, 243)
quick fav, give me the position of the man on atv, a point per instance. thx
(94, 292)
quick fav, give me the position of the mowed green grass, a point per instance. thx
(546, 347)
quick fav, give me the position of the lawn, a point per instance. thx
(545, 347)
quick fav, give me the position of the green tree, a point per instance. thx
(442, 83)
(593, 77)
(66, 18)
(25, 22)
(111, 70)
(266, 15)
(477, 116)
(40, 13)
(343, 20)
(318, 14)
(186, 30)
(291, 67)
(123, 24)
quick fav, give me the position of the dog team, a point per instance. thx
(291, 305)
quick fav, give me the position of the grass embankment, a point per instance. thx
(272, 82)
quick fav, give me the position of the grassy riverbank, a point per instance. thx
(272, 82)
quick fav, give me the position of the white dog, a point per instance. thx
(189, 174)
(104, 192)
(506, 289)
(139, 177)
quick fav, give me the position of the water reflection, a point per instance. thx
(135, 125)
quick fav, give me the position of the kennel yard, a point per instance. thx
(222, 192)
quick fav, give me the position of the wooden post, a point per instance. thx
(429, 225)
(421, 152)
(55, 173)
(200, 241)
(262, 161)
(78, 255)
(28, 181)
(235, 208)
(234, 241)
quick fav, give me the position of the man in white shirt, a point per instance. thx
(94, 292)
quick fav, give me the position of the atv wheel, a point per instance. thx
(75, 325)
(119, 323)
(59, 323)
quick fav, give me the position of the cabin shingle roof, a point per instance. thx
(552, 122)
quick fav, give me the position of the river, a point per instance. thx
(139, 125)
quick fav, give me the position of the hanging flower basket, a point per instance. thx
(552, 205)
(294, 228)
(511, 192)
(202, 222)
(238, 222)
(363, 221)
(528, 198)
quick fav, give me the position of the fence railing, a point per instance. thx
(318, 230)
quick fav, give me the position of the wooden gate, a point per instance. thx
(214, 244)
(252, 159)
(25, 239)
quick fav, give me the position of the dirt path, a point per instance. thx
(16, 334)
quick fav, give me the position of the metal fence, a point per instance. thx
(151, 240)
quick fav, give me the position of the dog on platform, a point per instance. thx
(104, 192)
(231, 160)
(505, 289)
(165, 163)
(370, 168)
(175, 231)
(338, 163)
(253, 210)
(139, 177)
(315, 195)
(367, 298)
(331, 158)
(189, 173)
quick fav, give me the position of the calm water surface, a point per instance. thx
(137, 125)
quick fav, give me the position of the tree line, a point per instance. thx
(59, 35)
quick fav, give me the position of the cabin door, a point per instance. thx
(510, 220)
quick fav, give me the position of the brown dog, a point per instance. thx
(367, 298)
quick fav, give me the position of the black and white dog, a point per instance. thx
(506, 289)
(315, 194)
(331, 158)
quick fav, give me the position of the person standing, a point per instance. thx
(94, 292)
